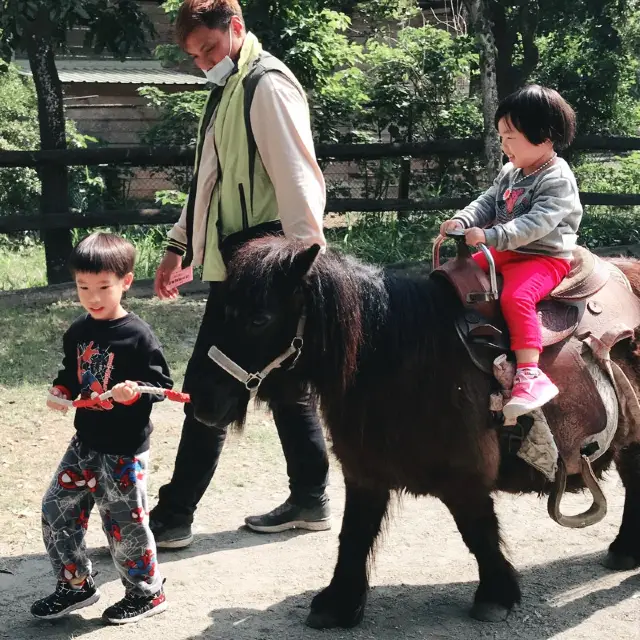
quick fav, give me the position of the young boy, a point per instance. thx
(107, 460)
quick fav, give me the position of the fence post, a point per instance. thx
(54, 178)
(404, 184)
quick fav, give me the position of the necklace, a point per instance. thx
(509, 191)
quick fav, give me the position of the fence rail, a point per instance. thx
(184, 156)
(13, 223)
(180, 158)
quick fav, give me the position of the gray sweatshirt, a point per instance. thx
(539, 215)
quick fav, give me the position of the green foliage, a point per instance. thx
(384, 238)
(19, 187)
(379, 13)
(119, 26)
(596, 81)
(170, 55)
(316, 44)
(179, 116)
(409, 87)
(610, 226)
(171, 198)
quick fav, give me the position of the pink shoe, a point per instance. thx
(531, 390)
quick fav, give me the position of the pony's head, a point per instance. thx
(254, 325)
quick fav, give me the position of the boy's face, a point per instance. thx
(100, 293)
(518, 148)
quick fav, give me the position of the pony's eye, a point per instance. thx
(261, 320)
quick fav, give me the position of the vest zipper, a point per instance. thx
(243, 206)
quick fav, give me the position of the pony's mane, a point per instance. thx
(342, 295)
(348, 307)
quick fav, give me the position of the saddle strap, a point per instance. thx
(627, 397)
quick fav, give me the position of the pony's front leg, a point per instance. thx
(342, 603)
(475, 516)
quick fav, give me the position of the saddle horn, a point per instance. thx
(594, 514)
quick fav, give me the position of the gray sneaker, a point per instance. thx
(171, 537)
(291, 516)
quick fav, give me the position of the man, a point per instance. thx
(255, 173)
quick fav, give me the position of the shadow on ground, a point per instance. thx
(557, 597)
(555, 600)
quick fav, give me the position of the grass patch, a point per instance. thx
(22, 266)
(31, 337)
(379, 238)
(384, 238)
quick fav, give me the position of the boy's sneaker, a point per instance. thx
(292, 516)
(65, 599)
(135, 607)
(171, 537)
(531, 390)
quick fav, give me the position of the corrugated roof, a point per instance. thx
(115, 72)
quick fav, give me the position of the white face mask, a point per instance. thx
(219, 73)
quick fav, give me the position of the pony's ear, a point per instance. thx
(303, 261)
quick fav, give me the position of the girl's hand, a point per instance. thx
(475, 236)
(450, 225)
(125, 392)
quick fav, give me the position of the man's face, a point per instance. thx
(207, 46)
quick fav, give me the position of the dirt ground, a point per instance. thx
(234, 584)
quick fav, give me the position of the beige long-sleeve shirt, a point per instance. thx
(282, 130)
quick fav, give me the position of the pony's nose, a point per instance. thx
(216, 410)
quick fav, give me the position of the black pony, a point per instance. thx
(405, 407)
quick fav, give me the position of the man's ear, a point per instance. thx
(303, 262)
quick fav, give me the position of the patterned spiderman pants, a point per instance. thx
(118, 486)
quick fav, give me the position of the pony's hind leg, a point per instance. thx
(624, 552)
(477, 522)
(342, 603)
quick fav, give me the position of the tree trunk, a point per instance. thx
(54, 178)
(506, 39)
(529, 20)
(485, 43)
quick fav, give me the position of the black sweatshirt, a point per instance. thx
(99, 354)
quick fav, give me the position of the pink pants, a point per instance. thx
(527, 280)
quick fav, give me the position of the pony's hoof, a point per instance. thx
(488, 612)
(329, 620)
(333, 608)
(619, 562)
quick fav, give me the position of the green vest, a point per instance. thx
(243, 195)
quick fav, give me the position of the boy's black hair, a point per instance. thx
(540, 114)
(103, 252)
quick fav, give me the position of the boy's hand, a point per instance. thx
(475, 236)
(450, 225)
(125, 392)
(54, 391)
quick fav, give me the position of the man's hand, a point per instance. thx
(475, 236)
(54, 391)
(125, 392)
(450, 225)
(171, 262)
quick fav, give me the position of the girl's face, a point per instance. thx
(520, 151)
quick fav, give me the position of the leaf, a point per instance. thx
(81, 12)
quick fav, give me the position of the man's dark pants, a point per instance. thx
(200, 447)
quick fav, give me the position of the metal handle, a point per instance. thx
(437, 243)
(493, 278)
(459, 236)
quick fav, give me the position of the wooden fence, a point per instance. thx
(147, 157)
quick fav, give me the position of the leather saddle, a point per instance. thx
(593, 301)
